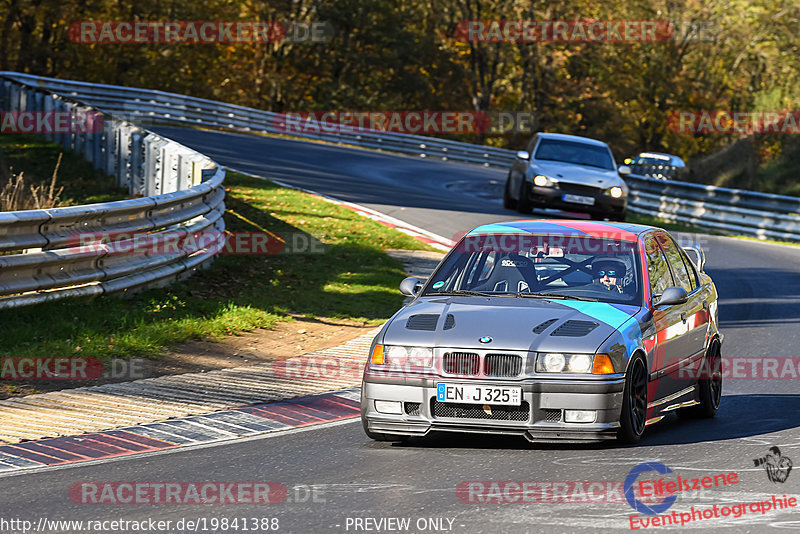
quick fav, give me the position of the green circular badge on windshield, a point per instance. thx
(437, 285)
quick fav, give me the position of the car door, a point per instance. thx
(696, 323)
(667, 337)
(683, 343)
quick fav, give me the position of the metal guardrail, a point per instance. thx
(48, 254)
(726, 210)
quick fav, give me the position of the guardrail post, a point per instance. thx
(98, 136)
(152, 166)
(137, 167)
(110, 148)
(123, 143)
(47, 108)
(184, 171)
(59, 136)
(169, 169)
(5, 86)
(73, 142)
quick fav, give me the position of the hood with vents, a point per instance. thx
(511, 323)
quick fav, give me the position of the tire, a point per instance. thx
(379, 436)
(597, 216)
(709, 387)
(634, 402)
(523, 202)
(508, 201)
(619, 218)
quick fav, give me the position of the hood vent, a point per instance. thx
(423, 321)
(542, 327)
(574, 329)
(449, 321)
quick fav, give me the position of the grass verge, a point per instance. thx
(350, 278)
(36, 158)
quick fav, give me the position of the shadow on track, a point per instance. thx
(739, 416)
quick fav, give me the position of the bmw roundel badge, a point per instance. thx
(485, 339)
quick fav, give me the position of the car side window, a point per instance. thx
(694, 280)
(657, 267)
(673, 252)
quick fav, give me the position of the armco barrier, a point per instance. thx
(725, 210)
(48, 254)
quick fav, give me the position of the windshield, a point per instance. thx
(541, 266)
(574, 152)
(651, 160)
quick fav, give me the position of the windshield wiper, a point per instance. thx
(555, 296)
(466, 292)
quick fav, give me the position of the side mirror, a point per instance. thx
(411, 286)
(624, 170)
(672, 295)
(523, 154)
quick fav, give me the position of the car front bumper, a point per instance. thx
(553, 197)
(541, 420)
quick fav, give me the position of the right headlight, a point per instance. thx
(541, 180)
(412, 357)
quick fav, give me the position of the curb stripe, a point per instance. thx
(175, 433)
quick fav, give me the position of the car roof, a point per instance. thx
(581, 228)
(661, 155)
(574, 138)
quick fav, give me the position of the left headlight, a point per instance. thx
(556, 362)
(615, 192)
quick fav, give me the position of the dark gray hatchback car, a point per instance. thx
(569, 173)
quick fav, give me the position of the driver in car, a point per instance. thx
(608, 272)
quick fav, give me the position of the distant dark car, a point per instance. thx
(658, 165)
(569, 173)
(549, 329)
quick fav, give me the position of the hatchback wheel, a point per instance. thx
(508, 201)
(634, 402)
(523, 202)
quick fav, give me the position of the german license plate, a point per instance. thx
(479, 394)
(578, 199)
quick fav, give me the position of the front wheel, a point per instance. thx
(508, 202)
(523, 202)
(634, 403)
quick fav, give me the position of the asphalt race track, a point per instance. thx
(357, 482)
